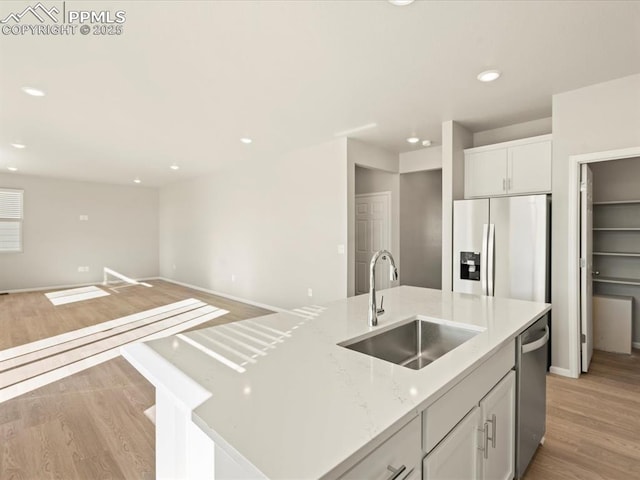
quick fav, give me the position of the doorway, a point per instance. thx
(604, 247)
(421, 228)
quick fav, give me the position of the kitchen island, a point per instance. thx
(279, 397)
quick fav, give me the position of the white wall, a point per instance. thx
(369, 180)
(121, 233)
(421, 229)
(360, 153)
(516, 131)
(616, 180)
(275, 224)
(597, 118)
(455, 138)
(420, 160)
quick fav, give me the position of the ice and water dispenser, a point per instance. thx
(470, 266)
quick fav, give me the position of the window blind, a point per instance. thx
(11, 212)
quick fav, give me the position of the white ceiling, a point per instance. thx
(187, 79)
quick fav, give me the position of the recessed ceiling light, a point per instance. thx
(426, 143)
(137, 180)
(246, 140)
(174, 167)
(12, 169)
(18, 145)
(413, 139)
(34, 92)
(400, 3)
(489, 75)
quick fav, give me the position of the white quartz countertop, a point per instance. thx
(282, 397)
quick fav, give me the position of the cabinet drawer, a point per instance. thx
(401, 450)
(441, 416)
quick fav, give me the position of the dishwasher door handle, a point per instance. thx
(536, 344)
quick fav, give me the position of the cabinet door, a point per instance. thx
(498, 417)
(530, 168)
(399, 454)
(485, 173)
(457, 455)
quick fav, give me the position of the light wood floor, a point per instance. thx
(91, 424)
(593, 423)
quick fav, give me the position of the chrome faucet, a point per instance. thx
(393, 275)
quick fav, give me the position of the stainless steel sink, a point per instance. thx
(413, 345)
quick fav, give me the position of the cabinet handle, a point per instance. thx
(509, 183)
(504, 184)
(485, 440)
(493, 430)
(395, 472)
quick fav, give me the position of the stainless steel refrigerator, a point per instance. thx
(501, 248)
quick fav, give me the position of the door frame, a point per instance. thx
(574, 293)
(386, 194)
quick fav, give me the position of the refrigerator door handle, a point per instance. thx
(490, 260)
(484, 259)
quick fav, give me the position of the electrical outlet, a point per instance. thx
(340, 249)
(84, 218)
(83, 269)
(309, 292)
(233, 277)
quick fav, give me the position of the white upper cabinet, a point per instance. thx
(509, 168)
(485, 173)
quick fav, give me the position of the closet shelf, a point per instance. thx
(617, 229)
(617, 280)
(617, 202)
(618, 254)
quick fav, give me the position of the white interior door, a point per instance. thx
(586, 264)
(373, 228)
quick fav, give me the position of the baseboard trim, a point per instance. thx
(564, 372)
(636, 345)
(73, 285)
(225, 295)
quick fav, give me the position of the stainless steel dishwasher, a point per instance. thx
(531, 372)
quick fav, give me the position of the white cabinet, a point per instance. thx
(482, 445)
(457, 456)
(498, 431)
(398, 458)
(485, 173)
(509, 168)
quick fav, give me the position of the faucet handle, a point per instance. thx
(380, 310)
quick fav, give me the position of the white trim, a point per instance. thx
(71, 285)
(564, 372)
(225, 295)
(636, 345)
(574, 245)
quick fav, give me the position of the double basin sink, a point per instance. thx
(415, 344)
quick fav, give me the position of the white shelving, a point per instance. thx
(618, 202)
(617, 229)
(617, 280)
(616, 265)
